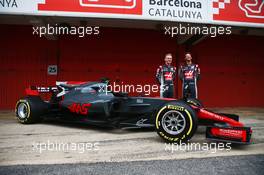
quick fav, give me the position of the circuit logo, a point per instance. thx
(133, 7)
(239, 10)
(252, 8)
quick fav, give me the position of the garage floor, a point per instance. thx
(19, 144)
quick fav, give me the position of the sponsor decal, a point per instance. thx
(80, 108)
(238, 10)
(168, 138)
(141, 122)
(168, 76)
(94, 6)
(8, 4)
(228, 12)
(176, 3)
(179, 108)
(188, 75)
(231, 133)
(218, 117)
(46, 89)
(177, 9)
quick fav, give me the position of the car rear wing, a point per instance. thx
(36, 91)
(62, 87)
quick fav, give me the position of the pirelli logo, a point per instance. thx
(179, 108)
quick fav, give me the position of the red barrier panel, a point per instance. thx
(232, 71)
(231, 67)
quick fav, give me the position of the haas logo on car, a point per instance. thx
(93, 6)
(239, 10)
(79, 108)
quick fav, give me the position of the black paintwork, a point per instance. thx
(108, 108)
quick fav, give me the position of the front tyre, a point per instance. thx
(176, 122)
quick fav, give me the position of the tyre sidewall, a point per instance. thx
(36, 108)
(190, 118)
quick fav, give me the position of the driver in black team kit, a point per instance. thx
(189, 74)
(165, 76)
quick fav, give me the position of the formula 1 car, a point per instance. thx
(92, 103)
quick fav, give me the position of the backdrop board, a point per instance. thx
(224, 12)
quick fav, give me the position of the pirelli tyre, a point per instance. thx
(30, 109)
(176, 122)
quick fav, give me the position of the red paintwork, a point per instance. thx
(230, 133)
(238, 133)
(76, 82)
(74, 6)
(205, 114)
(31, 92)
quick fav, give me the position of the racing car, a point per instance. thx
(175, 120)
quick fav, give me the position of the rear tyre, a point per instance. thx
(176, 122)
(30, 109)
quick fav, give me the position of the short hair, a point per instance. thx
(188, 53)
(167, 54)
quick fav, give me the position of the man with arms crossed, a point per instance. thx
(189, 73)
(165, 76)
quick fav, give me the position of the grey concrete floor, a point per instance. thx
(27, 144)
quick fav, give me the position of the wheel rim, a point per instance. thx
(173, 122)
(22, 110)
